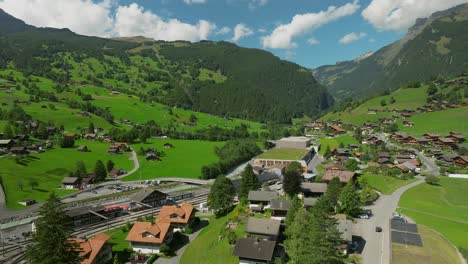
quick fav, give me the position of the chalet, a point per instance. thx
(19, 151)
(269, 176)
(371, 111)
(373, 140)
(27, 202)
(456, 137)
(401, 137)
(254, 251)
(263, 228)
(435, 152)
(152, 157)
(408, 123)
(85, 215)
(333, 166)
(90, 136)
(373, 164)
(260, 200)
(82, 149)
(384, 161)
(384, 155)
(113, 150)
(89, 179)
(344, 176)
(71, 135)
(96, 250)
(178, 216)
(402, 158)
(353, 146)
(313, 189)
(116, 173)
(168, 145)
(71, 183)
(310, 202)
(151, 151)
(21, 138)
(341, 152)
(121, 146)
(336, 129)
(448, 142)
(370, 125)
(421, 141)
(461, 161)
(279, 208)
(407, 167)
(33, 147)
(147, 237)
(341, 159)
(6, 143)
(149, 197)
(51, 130)
(431, 136)
(446, 158)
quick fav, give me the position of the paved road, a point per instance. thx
(377, 246)
(2, 198)
(136, 165)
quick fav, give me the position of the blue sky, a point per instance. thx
(308, 32)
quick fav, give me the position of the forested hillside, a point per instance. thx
(213, 77)
(434, 47)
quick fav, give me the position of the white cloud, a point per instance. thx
(351, 37)
(82, 16)
(223, 31)
(372, 40)
(262, 30)
(401, 14)
(241, 31)
(289, 54)
(189, 2)
(313, 41)
(282, 37)
(96, 19)
(257, 3)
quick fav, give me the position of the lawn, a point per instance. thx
(335, 142)
(49, 168)
(283, 154)
(120, 246)
(385, 184)
(449, 199)
(431, 252)
(208, 249)
(439, 122)
(185, 160)
(405, 99)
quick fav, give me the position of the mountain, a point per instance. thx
(220, 78)
(434, 47)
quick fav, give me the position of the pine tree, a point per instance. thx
(91, 128)
(249, 182)
(296, 205)
(50, 243)
(292, 179)
(327, 153)
(221, 197)
(110, 165)
(100, 171)
(8, 132)
(350, 202)
(299, 243)
(80, 169)
(333, 193)
(42, 132)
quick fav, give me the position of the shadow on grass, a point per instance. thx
(203, 223)
(178, 242)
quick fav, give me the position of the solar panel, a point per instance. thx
(406, 238)
(403, 227)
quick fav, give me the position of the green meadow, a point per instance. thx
(335, 142)
(385, 184)
(440, 207)
(442, 122)
(283, 153)
(47, 169)
(185, 160)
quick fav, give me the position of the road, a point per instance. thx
(377, 245)
(136, 165)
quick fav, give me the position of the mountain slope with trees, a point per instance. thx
(434, 47)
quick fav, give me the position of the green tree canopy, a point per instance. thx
(249, 182)
(100, 171)
(221, 196)
(350, 202)
(292, 179)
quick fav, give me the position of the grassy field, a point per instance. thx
(120, 245)
(405, 99)
(208, 249)
(431, 252)
(48, 169)
(283, 154)
(440, 207)
(439, 122)
(335, 142)
(184, 160)
(385, 184)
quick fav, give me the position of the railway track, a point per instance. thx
(15, 254)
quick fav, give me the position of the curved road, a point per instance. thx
(377, 246)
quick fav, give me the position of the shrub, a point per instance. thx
(164, 249)
(432, 180)
(152, 259)
(188, 231)
(232, 237)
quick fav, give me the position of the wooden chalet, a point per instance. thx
(461, 161)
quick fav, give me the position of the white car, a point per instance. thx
(363, 216)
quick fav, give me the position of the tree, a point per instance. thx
(332, 194)
(193, 118)
(392, 100)
(292, 178)
(368, 195)
(249, 182)
(350, 202)
(42, 132)
(351, 165)
(100, 171)
(91, 128)
(296, 205)
(432, 180)
(341, 145)
(327, 153)
(383, 102)
(80, 169)
(221, 196)
(432, 89)
(358, 134)
(110, 165)
(50, 243)
(8, 132)
(66, 142)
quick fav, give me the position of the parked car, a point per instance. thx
(363, 216)
(399, 219)
(378, 229)
(368, 212)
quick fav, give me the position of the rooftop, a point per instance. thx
(175, 213)
(90, 248)
(344, 176)
(264, 226)
(314, 187)
(295, 139)
(254, 249)
(262, 196)
(280, 204)
(146, 232)
(283, 154)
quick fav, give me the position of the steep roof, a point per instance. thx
(90, 248)
(262, 196)
(263, 226)
(344, 176)
(280, 204)
(175, 213)
(147, 232)
(314, 187)
(141, 195)
(254, 249)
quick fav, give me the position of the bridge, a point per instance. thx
(186, 180)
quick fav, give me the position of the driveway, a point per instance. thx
(377, 245)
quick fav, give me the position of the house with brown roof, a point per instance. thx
(178, 216)
(461, 161)
(336, 129)
(147, 237)
(431, 136)
(96, 250)
(421, 141)
(401, 137)
(263, 228)
(448, 142)
(253, 251)
(456, 137)
(344, 176)
(313, 189)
